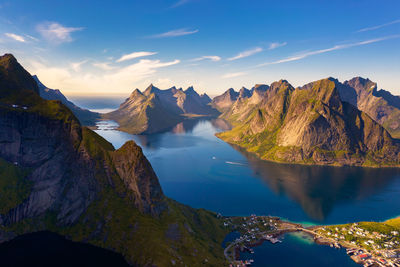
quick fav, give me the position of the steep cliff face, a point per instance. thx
(156, 110)
(86, 117)
(225, 101)
(381, 105)
(311, 125)
(67, 179)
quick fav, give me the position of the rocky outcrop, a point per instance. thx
(157, 110)
(225, 101)
(310, 125)
(86, 117)
(381, 105)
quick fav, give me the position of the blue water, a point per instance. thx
(196, 168)
(298, 249)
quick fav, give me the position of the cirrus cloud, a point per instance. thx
(276, 45)
(246, 53)
(174, 33)
(15, 37)
(212, 58)
(135, 55)
(326, 50)
(56, 33)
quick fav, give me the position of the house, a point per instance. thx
(363, 256)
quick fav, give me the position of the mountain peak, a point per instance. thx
(135, 93)
(244, 92)
(14, 78)
(150, 89)
(361, 83)
(7, 59)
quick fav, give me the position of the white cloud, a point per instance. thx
(15, 37)
(322, 51)
(121, 80)
(379, 26)
(56, 33)
(142, 69)
(276, 45)
(76, 66)
(135, 55)
(103, 65)
(212, 58)
(246, 53)
(174, 33)
(233, 74)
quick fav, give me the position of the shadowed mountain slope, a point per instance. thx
(61, 177)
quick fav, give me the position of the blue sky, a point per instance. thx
(112, 47)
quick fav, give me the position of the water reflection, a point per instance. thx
(318, 189)
(198, 169)
(186, 133)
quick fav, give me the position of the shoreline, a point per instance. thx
(334, 164)
(233, 251)
(276, 227)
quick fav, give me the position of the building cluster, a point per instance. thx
(252, 229)
(370, 244)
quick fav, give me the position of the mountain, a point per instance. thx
(156, 110)
(381, 105)
(86, 117)
(310, 125)
(13, 77)
(61, 177)
(225, 101)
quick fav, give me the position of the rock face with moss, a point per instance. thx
(57, 175)
(309, 125)
(156, 110)
(86, 117)
(380, 105)
(230, 97)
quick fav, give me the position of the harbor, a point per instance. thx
(254, 230)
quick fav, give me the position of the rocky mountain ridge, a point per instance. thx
(155, 110)
(309, 125)
(86, 117)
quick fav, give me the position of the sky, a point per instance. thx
(109, 48)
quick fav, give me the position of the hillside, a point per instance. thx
(86, 117)
(156, 110)
(62, 177)
(310, 125)
(380, 105)
(230, 97)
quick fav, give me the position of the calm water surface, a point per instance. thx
(196, 168)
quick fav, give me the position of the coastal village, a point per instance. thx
(367, 243)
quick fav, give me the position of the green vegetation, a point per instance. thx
(310, 126)
(14, 187)
(180, 234)
(368, 235)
